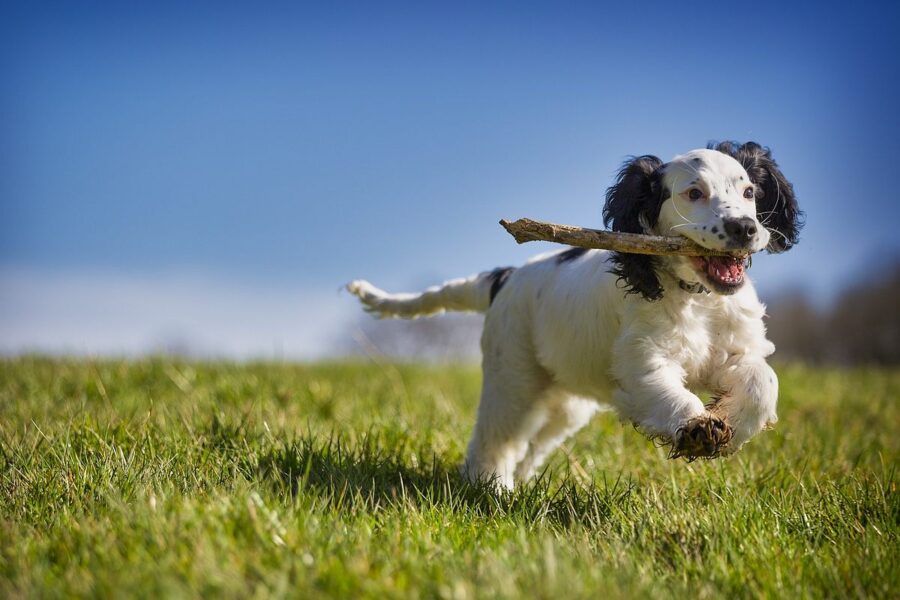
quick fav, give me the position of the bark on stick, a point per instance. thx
(528, 230)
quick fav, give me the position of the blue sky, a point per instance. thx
(251, 158)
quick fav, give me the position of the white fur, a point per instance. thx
(558, 335)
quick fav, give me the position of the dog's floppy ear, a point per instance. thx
(776, 205)
(632, 206)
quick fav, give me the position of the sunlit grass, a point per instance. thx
(163, 478)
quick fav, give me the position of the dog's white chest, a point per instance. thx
(692, 341)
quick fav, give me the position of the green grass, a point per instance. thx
(162, 478)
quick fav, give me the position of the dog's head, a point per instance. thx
(728, 196)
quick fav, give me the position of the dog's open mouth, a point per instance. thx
(724, 271)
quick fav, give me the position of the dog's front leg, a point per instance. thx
(748, 395)
(652, 394)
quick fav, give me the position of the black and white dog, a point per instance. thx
(559, 330)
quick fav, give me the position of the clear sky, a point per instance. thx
(214, 173)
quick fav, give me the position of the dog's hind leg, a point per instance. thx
(510, 413)
(565, 416)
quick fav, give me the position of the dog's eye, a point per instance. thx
(695, 194)
(748, 193)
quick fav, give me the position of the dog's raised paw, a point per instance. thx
(705, 436)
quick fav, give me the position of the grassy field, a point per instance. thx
(162, 478)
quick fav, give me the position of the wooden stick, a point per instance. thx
(527, 230)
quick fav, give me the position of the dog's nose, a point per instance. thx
(740, 230)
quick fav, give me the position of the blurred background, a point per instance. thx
(202, 179)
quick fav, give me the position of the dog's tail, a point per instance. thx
(469, 294)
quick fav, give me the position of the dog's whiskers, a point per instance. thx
(681, 225)
(779, 233)
(678, 212)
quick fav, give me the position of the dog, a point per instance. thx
(565, 328)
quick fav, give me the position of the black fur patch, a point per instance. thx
(498, 277)
(776, 205)
(637, 273)
(636, 199)
(570, 255)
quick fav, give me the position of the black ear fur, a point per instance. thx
(633, 201)
(776, 205)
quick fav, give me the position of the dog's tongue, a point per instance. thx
(725, 267)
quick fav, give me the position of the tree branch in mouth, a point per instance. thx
(528, 230)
